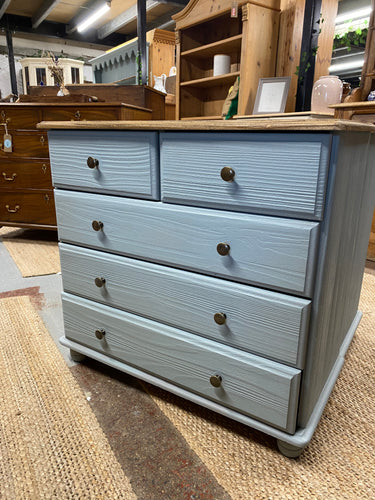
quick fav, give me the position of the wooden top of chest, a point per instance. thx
(255, 124)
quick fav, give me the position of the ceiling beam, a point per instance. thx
(130, 15)
(3, 7)
(40, 15)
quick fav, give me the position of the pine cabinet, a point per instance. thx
(204, 29)
(236, 290)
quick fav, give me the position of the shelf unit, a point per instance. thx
(203, 30)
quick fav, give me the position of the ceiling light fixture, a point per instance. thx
(354, 14)
(94, 17)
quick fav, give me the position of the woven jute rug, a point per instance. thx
(339, 463)
(51, 445)
(35, 252)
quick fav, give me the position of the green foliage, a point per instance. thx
(351, 38)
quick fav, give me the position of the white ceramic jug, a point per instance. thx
(160, 83)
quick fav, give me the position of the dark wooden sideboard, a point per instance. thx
(26, 192)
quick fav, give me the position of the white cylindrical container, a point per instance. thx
(327, 90)
(221, 64)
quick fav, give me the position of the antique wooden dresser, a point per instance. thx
(26, 193)
(221, 261)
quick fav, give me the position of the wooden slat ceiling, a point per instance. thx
(59, 18)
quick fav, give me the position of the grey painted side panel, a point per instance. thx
(275, 252)
(128, 161)
(259, 321)
(263, 389)
(274, 173)
(343, 245)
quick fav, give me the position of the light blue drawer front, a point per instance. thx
(252, 385)
(259, 321)
(276, 252)
(274, 173)
(128, 161)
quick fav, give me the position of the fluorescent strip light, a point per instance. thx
(94, 17)
(354, 14)
(335, 68)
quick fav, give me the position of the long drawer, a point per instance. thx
(263, 389)
(122, 162)
(19, 173)
(28, 207)
(267, 323)
(265, 173)
(279, 253)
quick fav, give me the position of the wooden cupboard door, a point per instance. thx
(24, 174)
(252, 385)
(28, 207)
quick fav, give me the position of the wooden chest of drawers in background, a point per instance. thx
(26, 192)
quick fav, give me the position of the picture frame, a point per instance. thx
(271, 95)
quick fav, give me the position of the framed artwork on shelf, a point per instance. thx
(271, 95)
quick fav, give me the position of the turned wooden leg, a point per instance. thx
(76, 356)
(288, 450)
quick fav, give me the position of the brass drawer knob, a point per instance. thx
(227, 174)
(99, 282)
(97, 225)
(99, 333)
(92, 162)
(223, 248)
(220, 318)
(215, 380)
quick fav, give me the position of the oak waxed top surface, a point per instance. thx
(251, 124)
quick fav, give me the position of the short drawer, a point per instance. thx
(29, 144)
(268, 323)
(28, 207)
(262, 173)
(20, 173)
(276, 252)
(121, 161)
(263, 389)
(78, 113)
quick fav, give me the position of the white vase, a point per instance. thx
(160, 83)
(327, 90)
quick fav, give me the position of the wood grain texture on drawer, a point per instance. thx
(273, 173)
(276, 252)
(121, 161)
(19, 173)
(28, 207)
(263, 389)
(30, 144)
(259, 321)
(20, 117)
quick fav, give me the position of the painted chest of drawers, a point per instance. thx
(26, 192)
(220, 261)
